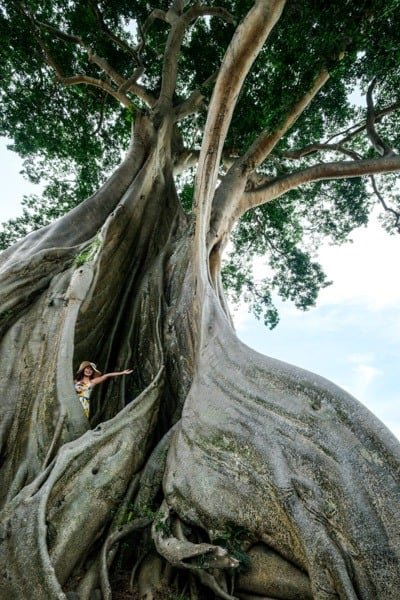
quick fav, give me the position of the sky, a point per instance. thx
(351, 337)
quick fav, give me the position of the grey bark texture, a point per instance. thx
(229, 474)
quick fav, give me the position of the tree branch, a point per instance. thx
(49, 59)
(377, 141)
(323, 147)
(226, 205)
(157, 13)
(319, 172)
(100, 83)
(93, 57)
(245, 45)
(266, 141)
(116, 39)
(129, 85)
(195, 100)
(339, 146)
(179, 22)
(197, 11)
(387, 208)
(361, 126)
(186, 160)
(65, 37)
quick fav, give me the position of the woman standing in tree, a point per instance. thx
(87, 377)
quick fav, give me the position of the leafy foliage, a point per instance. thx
(71, 137)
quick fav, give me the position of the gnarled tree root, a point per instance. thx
(197, 558)
(62, 517)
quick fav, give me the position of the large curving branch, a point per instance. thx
(377, 141)
(245, 45)
(123, 84)
(344, 137)
(266, 141)
(319, 172)
(100, 83)
(179, 22)
(226, 204)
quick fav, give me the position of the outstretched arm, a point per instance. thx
(102, 378)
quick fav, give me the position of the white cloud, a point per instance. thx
(362, 375)
(13, 184)
(241, 316)
(361, 358)
(364, 272)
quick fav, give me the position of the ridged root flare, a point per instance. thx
(288, 460)
(213, 471)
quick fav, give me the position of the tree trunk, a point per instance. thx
(228, 473)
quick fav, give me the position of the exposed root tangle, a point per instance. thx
(181, 553)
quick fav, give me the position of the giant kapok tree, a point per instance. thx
(212, 471)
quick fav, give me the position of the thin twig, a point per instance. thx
(361, 126)
(116, 39)
(395, 213)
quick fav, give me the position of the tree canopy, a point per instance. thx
(227, 473)
(320, 101)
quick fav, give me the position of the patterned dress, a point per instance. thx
(84, 390)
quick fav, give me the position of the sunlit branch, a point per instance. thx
(226, 204)
(170, 64)
(100, 83)
(246, 43)
(179, 23)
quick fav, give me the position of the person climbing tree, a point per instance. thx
(87, 377)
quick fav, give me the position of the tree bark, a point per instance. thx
(208, 458)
